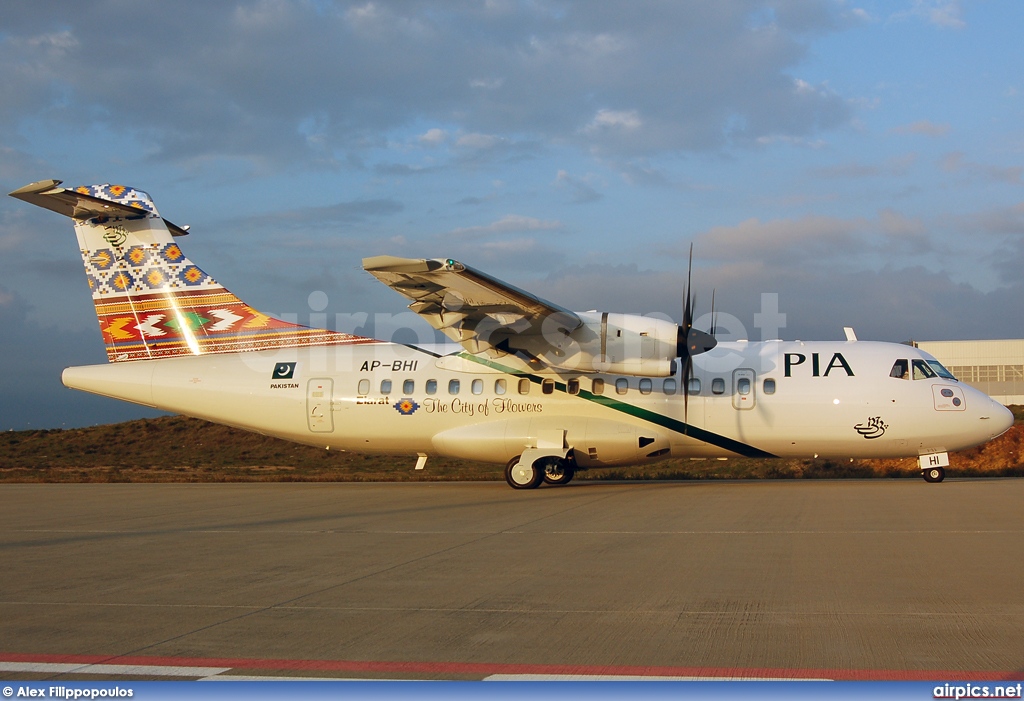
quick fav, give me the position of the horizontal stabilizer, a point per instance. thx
(92, 201)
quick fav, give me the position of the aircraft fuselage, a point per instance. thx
(776, 398)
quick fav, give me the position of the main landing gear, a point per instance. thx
(552, 470)
(933, 474)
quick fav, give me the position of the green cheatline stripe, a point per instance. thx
(653, 417)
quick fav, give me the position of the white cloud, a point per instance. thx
(486, 83)
(894, 223)
(479, 141)
(956, 161)
(434, 137)
(613, 119)
(508, 224)
(581, 189)
(1001, 220)
(941, 13)
(923, 128)
(789, 239)
(510, 246)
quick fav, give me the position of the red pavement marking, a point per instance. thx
(483, 669)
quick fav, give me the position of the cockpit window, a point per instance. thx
(922, 371)
(940, 370)
(900, 369)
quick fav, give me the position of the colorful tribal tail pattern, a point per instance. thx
(152, 301)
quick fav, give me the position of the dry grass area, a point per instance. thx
(180, 449)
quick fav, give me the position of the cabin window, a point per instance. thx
(453, 386)
(500, 387)
(718, 386)
(769, 386)
(646, 385)
(409, 386)
(547, 386)
(524, 386)
(364, 387)
(694, 387)
(743, 385)
(431, 386)
(669, 387)
(385, 386)
(597, 386)
(621, 385)
(900, 369)
(477, 387)
(922, 371)
(573, 386)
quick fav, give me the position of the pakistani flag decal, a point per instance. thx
(283, 371)
(406, 406)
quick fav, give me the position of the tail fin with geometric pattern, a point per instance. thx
(152, 301)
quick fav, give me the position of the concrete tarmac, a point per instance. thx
(822, 579)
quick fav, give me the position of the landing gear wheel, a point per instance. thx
(558, 472)
(522, 476)
(934, 474)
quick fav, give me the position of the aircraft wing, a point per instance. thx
(478, 311)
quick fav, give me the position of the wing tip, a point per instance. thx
(394, 264)
(36, 188)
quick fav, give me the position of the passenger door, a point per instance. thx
(318, 404)
(744, 388)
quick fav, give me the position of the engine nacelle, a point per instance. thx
(617, 344)
(621, 344)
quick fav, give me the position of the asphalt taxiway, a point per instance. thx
(884, 579)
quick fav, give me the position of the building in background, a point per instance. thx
(994, 367)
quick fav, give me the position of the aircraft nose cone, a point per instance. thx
(1002, 419)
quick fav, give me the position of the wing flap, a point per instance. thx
(476, 310)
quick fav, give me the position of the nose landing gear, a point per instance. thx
(933, 474)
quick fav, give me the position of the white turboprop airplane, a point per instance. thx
(542, 389)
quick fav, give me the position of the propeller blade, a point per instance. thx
(714, 319)
(686, 394)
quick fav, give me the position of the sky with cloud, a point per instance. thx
(860, 160)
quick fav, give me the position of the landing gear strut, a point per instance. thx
(934, 474)
(522, 476)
